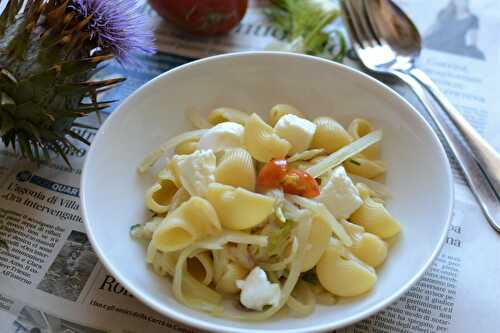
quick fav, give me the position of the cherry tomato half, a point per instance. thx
(202, 17)
(300, 183)
(272, 173)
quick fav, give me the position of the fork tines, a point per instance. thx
(359, 24)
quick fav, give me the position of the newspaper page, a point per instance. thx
(52, 281)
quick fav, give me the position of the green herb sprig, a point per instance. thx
(304, 23)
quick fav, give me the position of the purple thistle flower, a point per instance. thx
(117, 25)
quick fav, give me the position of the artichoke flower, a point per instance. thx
(49, 52)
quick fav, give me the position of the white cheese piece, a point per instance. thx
(222, 136)
(257, 291)
(298, 131)
(195, 171)
(340, 195)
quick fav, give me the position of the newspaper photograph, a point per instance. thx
(51, 279)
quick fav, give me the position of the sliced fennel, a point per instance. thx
(344, 153)
(320, 210)
(152, 158)
(302, 234)
(305, 155)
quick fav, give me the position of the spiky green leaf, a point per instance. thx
(6, 100)
(77, 136)
(45, 73)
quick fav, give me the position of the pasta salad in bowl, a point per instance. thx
(267, 214)
(266, 192)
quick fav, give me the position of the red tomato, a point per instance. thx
(300, 183)
(202, 17)
(272, 173)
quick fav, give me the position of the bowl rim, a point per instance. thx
(210, 326)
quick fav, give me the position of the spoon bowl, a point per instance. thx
(393, 25)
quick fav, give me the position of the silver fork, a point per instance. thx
(378, 57)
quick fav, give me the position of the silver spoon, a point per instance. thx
(387, 50)
(390, 23)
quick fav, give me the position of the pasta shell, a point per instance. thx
(200, 266)
(227, 282)
(344, 276)
(364, 167)
(261, 141)
(370, 249)
(352, 229)
(159, 196)
(193, 220)
(186, 148)
(360, 127)
(224, 114)
(329, 135)
(376, 219)
(280, 110)
(180, 196)
(297, 131)
(238, 208)
(236, 169)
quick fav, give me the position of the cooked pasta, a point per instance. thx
(192, 220)
(262, 142)
(280, 110)
(369, 248)
(201, 267)
(267, 212)
(187, 147)
(238, 208)
(375, 218)
(342, 274)
(221, 115)
(360, 127)
(237, 169)
(364, 167)
(329, 135)
(159, 196)
(227, 282)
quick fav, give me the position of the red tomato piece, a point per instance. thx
(202, 17)
(300, 183)
(272, 173)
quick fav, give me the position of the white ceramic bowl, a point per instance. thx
(418, 172)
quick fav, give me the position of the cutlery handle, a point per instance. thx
(486, 156)
(481, 188)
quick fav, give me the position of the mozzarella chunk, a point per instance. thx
(222, 136)
(298, 131)
(195, 171)
(340, 195)
(257, 291)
